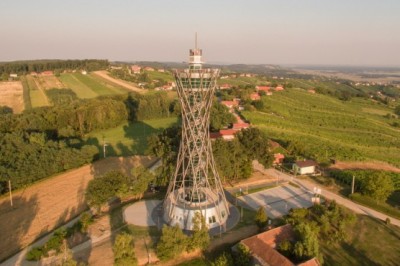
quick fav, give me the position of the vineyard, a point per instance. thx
(325, 127)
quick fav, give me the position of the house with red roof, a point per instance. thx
(227, 134)
(263, 88)
(278, 158)
(225, 86)
(230, 104)
(263, 247)
(279, 88)
(149, 69)
(255, 96)
(135, 69)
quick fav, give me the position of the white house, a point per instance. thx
(304, 167)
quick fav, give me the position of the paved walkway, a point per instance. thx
(308, 185)
(140, 213)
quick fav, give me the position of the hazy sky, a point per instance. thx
(348, 32)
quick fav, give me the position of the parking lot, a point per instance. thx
(279, 200)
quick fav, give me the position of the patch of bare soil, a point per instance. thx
(365, 166)
(104, 74)
(40, 208)
(11, 95)
(256, 178)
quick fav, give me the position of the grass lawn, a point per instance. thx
(82, 90)
(129, 139)
(370, 242)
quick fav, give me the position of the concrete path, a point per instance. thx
(140, 213)
(308, 185)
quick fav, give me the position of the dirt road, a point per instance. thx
(104, 74)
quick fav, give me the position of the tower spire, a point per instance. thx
(195, 42)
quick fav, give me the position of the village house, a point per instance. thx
(135, 69)
(230, 104)
(240, 126)
(47, 73)
(227, 134)
(255, 96)
(304, 167)
(263, 88)
(263, 247)
(279, 88)
(162, 70)
(224, 86)
(278, 158)
(149, 69)
(311, 91)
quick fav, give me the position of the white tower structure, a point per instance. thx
(195, 186)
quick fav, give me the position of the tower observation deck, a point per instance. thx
(195, 186)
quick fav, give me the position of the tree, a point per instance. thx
(397, 110)
(261, 217)
(378, 186)
(101, 189)
(243, 256)
(225, 259)
(200, 237)
(172, 243)
(307, 245)
(123, 248)
(220, 116)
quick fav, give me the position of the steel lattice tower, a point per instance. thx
(195, 186)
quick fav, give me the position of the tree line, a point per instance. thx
(25, 67)
(48, 140)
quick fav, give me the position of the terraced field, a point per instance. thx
(327, 128)
(36, 93)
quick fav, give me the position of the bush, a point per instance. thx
(55, 242)
(85, 220)
(124, 250)
(387, 220)
(172, 243)
(261, 217)
(35, 254)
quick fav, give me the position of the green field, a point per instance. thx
(89, 86)
(327, 128)
(129, 139)
(369, 242)
(38, 98)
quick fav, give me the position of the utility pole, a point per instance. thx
(104, 147)
(352, 184)
(9, 189)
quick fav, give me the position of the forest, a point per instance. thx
(26, 67)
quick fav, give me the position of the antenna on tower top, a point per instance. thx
(195, 41)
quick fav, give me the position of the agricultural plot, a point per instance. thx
(82, 90)
(49, 82)
(325, 127)
(37, 96)
(129, 139)
(11, 95)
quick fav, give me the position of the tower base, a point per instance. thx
(179, 211)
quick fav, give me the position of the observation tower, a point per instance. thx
(195, 186)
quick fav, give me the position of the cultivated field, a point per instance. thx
(324, 127)
(11, 95)
(36, 92)
(49, 82)
(130, 86)
(43, 206)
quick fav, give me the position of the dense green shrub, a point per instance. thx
(35, 254)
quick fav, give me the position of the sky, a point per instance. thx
(316, 32)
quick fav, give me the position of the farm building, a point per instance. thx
(149, 69)
(279, 88)
(304, 167)
(263, 247)
(230, 104)
(240, 126)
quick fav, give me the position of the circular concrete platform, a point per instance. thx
(140, 213)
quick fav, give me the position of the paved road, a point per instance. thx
(308, 185)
